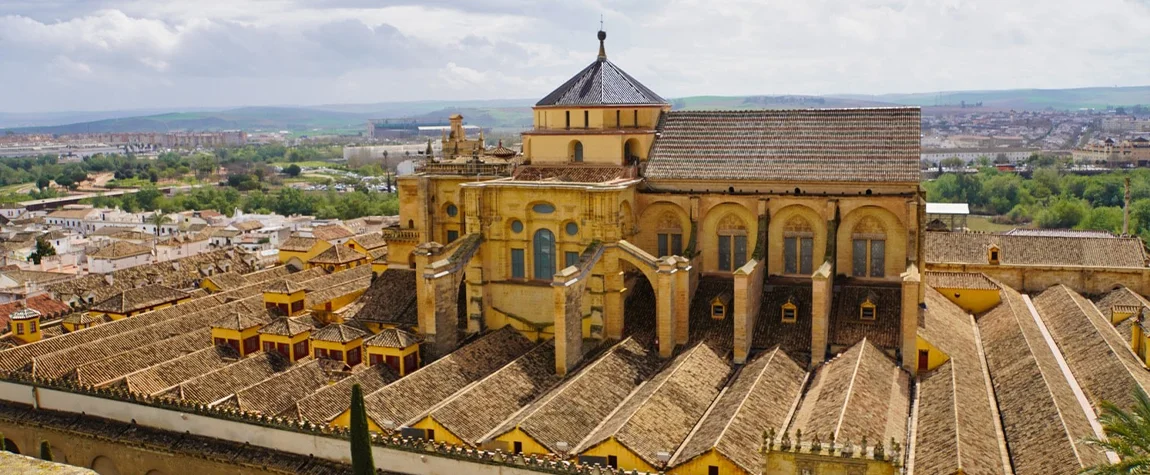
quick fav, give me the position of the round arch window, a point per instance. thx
(517, 226)
(572, 229)
(452, 210)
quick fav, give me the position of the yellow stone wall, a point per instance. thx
(1084, 280)
(286, 299)
(530, 445)
(701, 465)
(602, 149)
(290, 341)
(935, 356)
(627, 459)
(240, 336)
(554, 118)
(787, 463)
(343, 347)
(344, 420)
(441, 433)
(974, 301)
(385, 351)
(303, 257)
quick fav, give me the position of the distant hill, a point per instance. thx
(515, 114)
(1023, 99)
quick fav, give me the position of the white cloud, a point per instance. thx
(149, 53)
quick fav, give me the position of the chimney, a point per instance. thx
(1126, 211)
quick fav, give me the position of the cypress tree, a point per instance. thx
(361, 462)
(3, 442)
(45, 451)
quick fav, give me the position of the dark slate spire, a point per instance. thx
(602, 83)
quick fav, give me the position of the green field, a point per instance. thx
(983, 223)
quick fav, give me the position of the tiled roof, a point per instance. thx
(298, 244)
(837, 145)
(249, 225)
(370, 241)
(155, 379)
(1070, 233)
(859, 393)
(1099, 358)
(331, 232)
(139, 298)
(417, 392)
(120, 250)
(972, 248)
(280, 391)
(659, 415)
(227, 280)
(956, 421)
(240, 321)
(21, 276)
(48, 308)
(501, 151)
(960, 280)
(338, 333)
(337, 255)
(601, 83)
(323, 405)
(285, 326)
(770, 331)
(72, 213)
(117, 366)
(1122, 296)
(350, 287)
(573, 410)
(214, 386)
(179, 274)
(573, 173)
(390, 299)
(471, 413)
(847, 328)
(1044, 424)
(286, 285)
(393, 338)
(267, 274)
(761, 396)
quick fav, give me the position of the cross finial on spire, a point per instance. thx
(602, 50)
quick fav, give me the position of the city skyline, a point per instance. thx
(123, 54)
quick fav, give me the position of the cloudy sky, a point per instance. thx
(127, 54)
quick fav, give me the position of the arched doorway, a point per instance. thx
(576, 151)
(105, 466)
(543, 254)
(639, 306)
(631, 151)
(11, 446)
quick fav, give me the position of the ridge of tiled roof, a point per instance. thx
(212, 387)
(573, 173)
(761, 396)
(329, 232)
(240, 321)
(848, 329)
(959, 280)
(393, 338)
(1122, 296)
(44, 304)
(285, 285)
(164, 376)
(876, 145)
(571, 411)
(114, 367)
(281, 390)
(334, 292)
(370, 241)
(660, 414)
(417, 392)
(298, 244)
(859, 393)
(138, 298)
(955, 429)
(1042, 419)
(285, 326)
(472, 412)
(227, 280)
(338, 332)
(601, 83)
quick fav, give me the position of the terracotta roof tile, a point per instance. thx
(220, 383)
(48, 308)
(960, 280)
(847, 328)
(1043, 421)
(338, 332)
(972, 248)
(280, 391)
(573, 174)
(956, 422)
(119, 250)
(337, 255)
(286, 326)
(761, 396)
(162, 377)
(114, 367)
(393, 338)
(331, 232)
(323, 405)
(298, 244)
(840, 145)
(139, 298)
(770, 331)
(390, 299)
(859, 393)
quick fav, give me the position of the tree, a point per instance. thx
(1063, 213)
(361, 461)
(293, 170)
(429, 152)
(1127, 434)
(43, 249)
(45, 451)
(159, 219)
(43, 182)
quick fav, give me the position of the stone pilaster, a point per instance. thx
(822, 294)
(682, 300)
(912, 313)
(613, 315)
(568, 311)
(665, 306)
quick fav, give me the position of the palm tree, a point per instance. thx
(158, 219)
(1127, 434)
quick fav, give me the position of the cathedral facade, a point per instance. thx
(800, 228)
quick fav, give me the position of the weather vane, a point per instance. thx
(600, 22)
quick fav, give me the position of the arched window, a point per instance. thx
(577, 151)
(544, 254)
(732, 243)
(798, 246)
(670, 234)
(868, 249)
